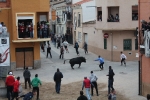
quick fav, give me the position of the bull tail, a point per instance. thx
(65, 60)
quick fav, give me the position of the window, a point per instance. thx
(134, 12)
(79, 36)
(113, 14)
(79, 20)
(2, 0)
(99, 13)
(127, 44)
(136, 44)
(105, 43)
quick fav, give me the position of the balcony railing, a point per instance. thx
(68, 1)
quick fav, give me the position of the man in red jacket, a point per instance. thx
(9, 83)
(16, 89)
(86, 84)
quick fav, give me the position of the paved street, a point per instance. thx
(125, 79)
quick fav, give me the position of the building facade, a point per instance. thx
(61, 23)
(144, 51)
(113, 31)
(24, 51)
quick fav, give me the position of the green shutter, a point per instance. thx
(127, 44)
(105, 43)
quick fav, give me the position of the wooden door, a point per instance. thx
(20, 59)
(29, 59)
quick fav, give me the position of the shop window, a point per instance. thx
(113, 14)
(127, 44)
(2, 0)
(99, 13)
(134, 12)
(136, 44)
(105, 43)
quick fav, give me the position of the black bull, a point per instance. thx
(77, 60)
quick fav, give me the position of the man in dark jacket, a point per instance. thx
(49, 51)
(76, 46)
(85, 48)
(27, 75)
(110, 79)
(57, 78)
(82, 97)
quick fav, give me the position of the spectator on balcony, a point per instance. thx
(134, 16)
(38, 29)
(31, 29)
(100, 18)
(117, 18)
(4, 29)
(111, 18)
(1, 29)
(21, 30)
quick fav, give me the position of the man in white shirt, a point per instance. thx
(65, 43)
(1, 28)
(4, 29)
(93, 80)
(123, 58)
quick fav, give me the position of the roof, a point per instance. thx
(81, 2)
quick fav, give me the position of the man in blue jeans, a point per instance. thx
(57, 78)
(101, 61)
(110, 79)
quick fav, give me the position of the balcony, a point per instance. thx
(68, 1)
(114, 26)
(69, 16)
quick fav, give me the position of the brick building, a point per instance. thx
(144, 62)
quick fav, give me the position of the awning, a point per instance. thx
(125, 29)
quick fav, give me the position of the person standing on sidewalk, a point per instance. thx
(16, 89)
(82, 97)
(101, 61)
(93, 79)
(86, 84)
(49, 51)
(123, 58)
(61, 53)
(35, 84)
(76, 46)
(85, 48)
(57, 79)
(27, 75)
(110, 79)
(65, 43)
(9, 84)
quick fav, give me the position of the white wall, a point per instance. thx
(75, 1)
(89, 11)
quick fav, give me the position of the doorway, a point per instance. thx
(86, 38)
(74, 36)
(24, 57)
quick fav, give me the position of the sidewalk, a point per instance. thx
(125, 79)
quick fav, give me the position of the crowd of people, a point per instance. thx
(111, 18)
(26, 29)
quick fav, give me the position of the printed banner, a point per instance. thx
(4, 51)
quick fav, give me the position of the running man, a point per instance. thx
(65, 43)
(101, 61)
(123, 58)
